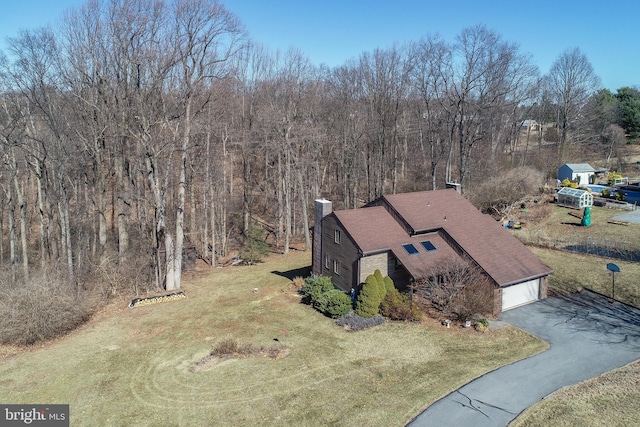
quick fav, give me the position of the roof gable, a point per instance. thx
(494, 249)
(579, 167)
(372, 229)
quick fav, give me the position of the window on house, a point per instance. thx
(411, 250)
(327, 260)
(337, 237)
(336, 267)
(428, 246)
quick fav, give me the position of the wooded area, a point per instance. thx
(136, 125)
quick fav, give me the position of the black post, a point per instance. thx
(613, 287)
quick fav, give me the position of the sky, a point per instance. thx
(331, 32)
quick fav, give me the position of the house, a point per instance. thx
(407, 236)
(529, 126)
(580, 172)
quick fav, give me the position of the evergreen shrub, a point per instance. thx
(369, 298)
(336, 303)
(314, 287)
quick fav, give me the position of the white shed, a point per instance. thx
(574, 198)
(581, 172)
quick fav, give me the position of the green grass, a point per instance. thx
(130, 367)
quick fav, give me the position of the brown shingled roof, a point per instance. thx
(374, 230)
(499, 254)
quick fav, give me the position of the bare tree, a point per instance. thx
(489, 75)
(206, 37)
(457, 288)
(571, 81)
(431, 73)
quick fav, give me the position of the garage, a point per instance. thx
(520, 294)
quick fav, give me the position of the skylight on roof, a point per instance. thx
(428, 246)
(411, 250)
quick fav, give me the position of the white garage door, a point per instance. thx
(522, 293)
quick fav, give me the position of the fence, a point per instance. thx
(597, 278)
(599, 246)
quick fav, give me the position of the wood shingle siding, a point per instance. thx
(344, 253)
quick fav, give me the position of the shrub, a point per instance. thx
(501, 193)
(297, 283)
(396, 306)
(40, 309)
(565, 182)
(388, 284)
(379, 278)
(319, 292)
(353, 322)
(606, 193)
(461, 290)
(313, 288)
(551, 134)
(613, 178)
(481, 325)
(369, 298)
(336, 303)
(226, 347)
(255, 246)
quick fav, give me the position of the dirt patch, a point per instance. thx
(211, 360)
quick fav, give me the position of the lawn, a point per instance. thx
(575, 270)
(131, 366)
(610, 399)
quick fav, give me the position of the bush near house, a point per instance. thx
(313, 288)
(337, 303)
(459, 291)
(396, 306)
(568, 183)
(371, 295)
(319, 292)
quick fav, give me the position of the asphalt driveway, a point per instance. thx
(588, 336)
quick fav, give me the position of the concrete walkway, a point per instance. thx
(588, 336)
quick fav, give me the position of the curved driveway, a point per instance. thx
(588, 336)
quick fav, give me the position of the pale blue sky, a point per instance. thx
(333, 31)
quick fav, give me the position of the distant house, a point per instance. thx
(529, 126)
(581, 172)
(407, 236)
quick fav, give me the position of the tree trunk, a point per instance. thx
(13, 257)
(123, 205)
(23, 227)
(305, 214)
